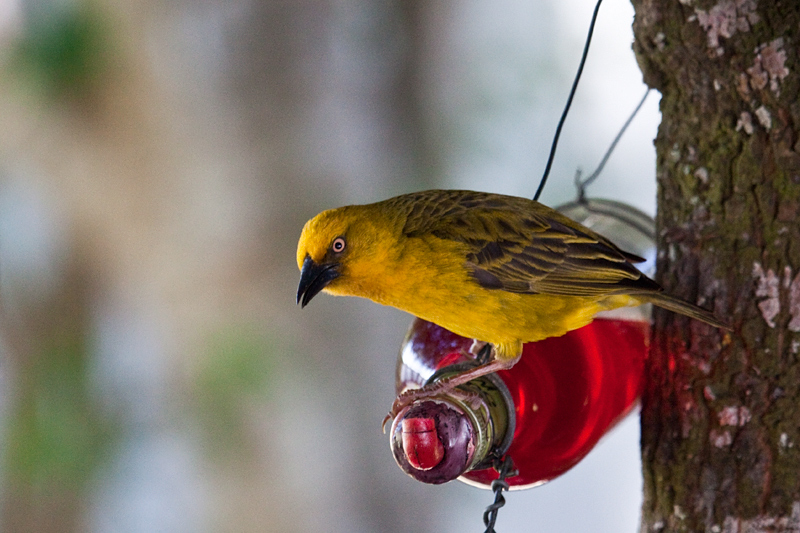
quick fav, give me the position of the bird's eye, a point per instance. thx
(338, 245)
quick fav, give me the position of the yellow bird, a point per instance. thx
(499, 269)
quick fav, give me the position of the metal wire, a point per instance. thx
(569, 103)
(505, 467)
(582, 184)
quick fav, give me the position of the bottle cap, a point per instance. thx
(433, 441)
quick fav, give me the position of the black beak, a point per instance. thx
(314, 278)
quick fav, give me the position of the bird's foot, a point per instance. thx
(443, 386)
(410, 396)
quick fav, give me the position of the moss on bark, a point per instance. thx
(721, 414)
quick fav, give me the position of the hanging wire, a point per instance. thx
(582, 184)
(569, 102)
(505, 467)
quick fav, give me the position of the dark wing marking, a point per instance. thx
(521, 246)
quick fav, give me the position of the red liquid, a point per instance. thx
(568, 391)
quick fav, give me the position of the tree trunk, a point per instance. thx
(721, 412)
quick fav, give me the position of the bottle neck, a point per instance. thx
(488, 405)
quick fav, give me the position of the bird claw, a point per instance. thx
(401, 402)
(410, 396)
(445, 385)
(388, 417)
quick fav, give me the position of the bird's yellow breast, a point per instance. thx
(430, 278)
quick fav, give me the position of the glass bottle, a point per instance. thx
(550, 409)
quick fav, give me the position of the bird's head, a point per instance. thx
(337, 252)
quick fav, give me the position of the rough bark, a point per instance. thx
(721, 414)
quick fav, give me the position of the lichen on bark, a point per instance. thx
(721, 413)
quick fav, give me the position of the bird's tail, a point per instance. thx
(677, 305)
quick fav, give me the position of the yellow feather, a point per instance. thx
(500, 269)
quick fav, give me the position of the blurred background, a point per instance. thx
(157, 162)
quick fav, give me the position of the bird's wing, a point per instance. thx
(521, 246)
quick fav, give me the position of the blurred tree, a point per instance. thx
(721, 414)
(57, 434)
(63, 48)
(331, 87)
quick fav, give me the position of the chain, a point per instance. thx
(505, 467)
